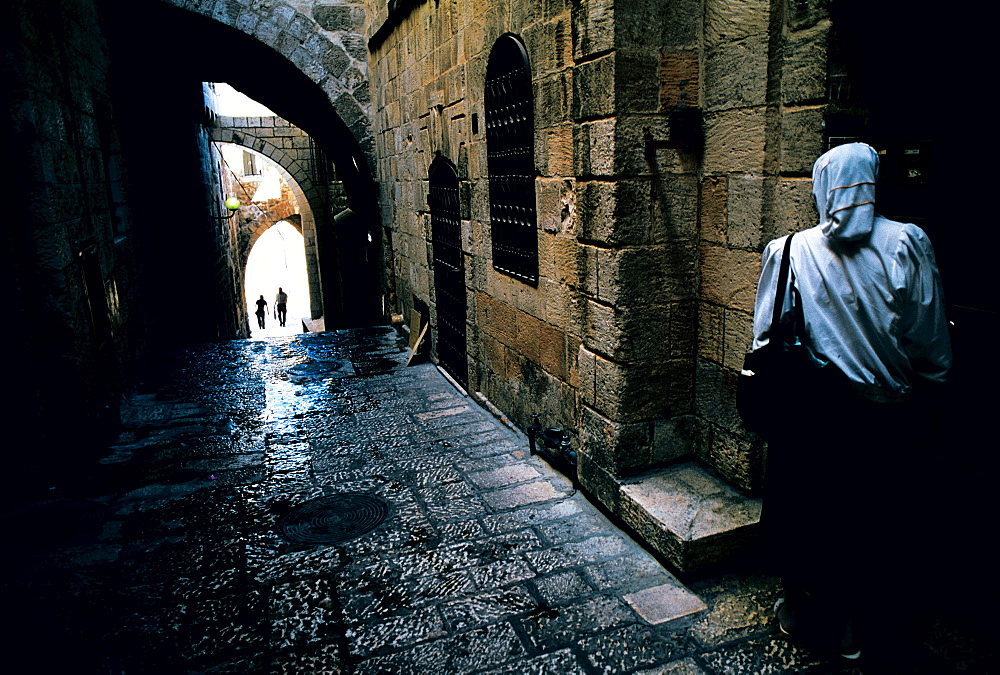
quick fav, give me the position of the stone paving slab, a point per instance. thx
(664, 603)
(488, 560)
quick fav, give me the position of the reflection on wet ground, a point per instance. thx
(174, 553)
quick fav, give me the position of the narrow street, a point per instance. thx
(433, 541)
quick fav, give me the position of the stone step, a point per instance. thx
(314, 325)
(689, 516)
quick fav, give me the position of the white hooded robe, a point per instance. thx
(869, 287)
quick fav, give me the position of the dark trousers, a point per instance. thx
(839, 515)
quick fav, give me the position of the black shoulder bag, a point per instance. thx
(779, 373)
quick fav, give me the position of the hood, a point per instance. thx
(844, 188)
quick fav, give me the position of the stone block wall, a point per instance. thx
(764, 95)
(524, 341)
(73, 321)
(648, 252)
(638, 212)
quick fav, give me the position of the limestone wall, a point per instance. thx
(524, 341)
(648, 252)
(638, 212)
(765, 85)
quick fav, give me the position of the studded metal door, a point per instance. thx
(449, 269)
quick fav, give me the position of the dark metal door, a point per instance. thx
(449, 269)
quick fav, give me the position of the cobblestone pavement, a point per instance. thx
(183, 551)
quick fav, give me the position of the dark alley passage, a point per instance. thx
(436, 541)
(564, 210)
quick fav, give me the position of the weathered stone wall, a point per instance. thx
(218, 245)
(638, 215)
(523, 341)
(72, 305)
(648, 256)
(605, 344)
(765, 85)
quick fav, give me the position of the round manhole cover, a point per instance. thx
(333, 519)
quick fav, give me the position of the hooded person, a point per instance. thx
(869, 287)
(865, 298)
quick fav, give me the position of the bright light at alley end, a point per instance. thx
(233, 204)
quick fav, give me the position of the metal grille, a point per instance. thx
(449, 269)
(510, 151)
(320, 166)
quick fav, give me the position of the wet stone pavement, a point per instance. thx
(432, 541)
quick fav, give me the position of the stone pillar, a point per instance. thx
(638, 220)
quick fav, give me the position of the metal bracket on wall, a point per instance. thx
(686, 134)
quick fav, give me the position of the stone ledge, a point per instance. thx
(314, 325)
(688, 515)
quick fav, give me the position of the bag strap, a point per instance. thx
(779, 294)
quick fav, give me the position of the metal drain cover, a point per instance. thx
(333, 519)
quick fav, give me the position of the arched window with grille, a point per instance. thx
(510, 152)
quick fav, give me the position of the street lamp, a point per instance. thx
(232, 205)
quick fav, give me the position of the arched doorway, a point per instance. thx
(278, 260)
(449, 269)
(271, 194)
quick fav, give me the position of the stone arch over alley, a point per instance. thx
(328, 47)
(311, 70)
(291, 152)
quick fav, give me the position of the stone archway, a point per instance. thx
(293, 165)
(329, 47)
(276, 261)
(309, 66)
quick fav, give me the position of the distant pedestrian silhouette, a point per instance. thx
(261, 310)
(280, 306)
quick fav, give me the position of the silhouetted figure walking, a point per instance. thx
(261, 310)
(280, 305)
